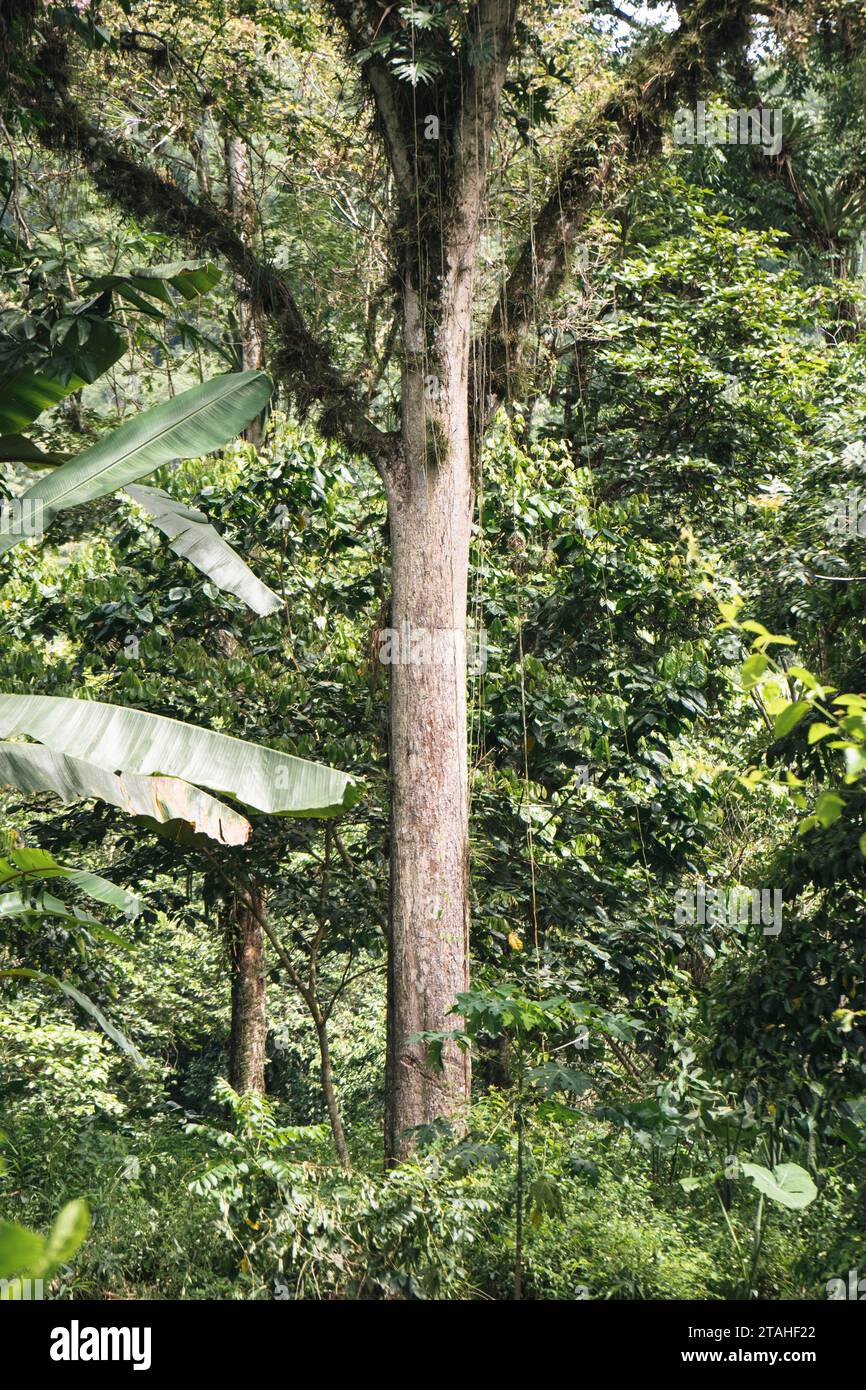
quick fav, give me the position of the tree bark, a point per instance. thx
(429, 906)
(330, 1094)
(242, 205)
(249, 1027)
(430, 509)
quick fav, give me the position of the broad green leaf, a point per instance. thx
(189, 278)
(788, 1184)
(24, 973)
(32, 768)
(193, 423)
(828, 808)
(194, 539)
(553, 1077)
(65, 1236)
(27, 393)
(39, 864)
(851, 702)
(805, 678)
(543, 1199)
(818, 731)
(149, 744)
(789, 717)
(764, 638)
(26, 1255)
(19, 1249)
(752, 670)
(46, 905)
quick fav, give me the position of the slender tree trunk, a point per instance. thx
(330, 1094)
(71, 409)
(518, 1224)
(242, 205)
(249, 1028)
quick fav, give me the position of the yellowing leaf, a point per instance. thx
(789, 716)
(819, 731)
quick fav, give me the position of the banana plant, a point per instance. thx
(43, 360)
(23, 872)
(164, 767)
(193, 423)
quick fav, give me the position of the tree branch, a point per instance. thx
(602, 157)
(302, 361)
(491, 26)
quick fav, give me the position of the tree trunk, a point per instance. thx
(430, 522)
(442, 188)
(71, 409)
(429, 911)
(242, 205)
(249, 1013)
(330, 1095)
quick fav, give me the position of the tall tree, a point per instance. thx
(435, 90)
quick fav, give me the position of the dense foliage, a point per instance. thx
(669, 1094)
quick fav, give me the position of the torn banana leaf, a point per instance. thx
(32, 768)
(193, 538)
(112, 736)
